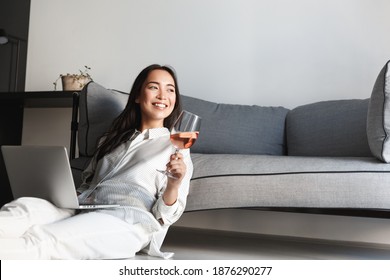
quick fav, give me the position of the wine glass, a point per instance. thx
(184, 133)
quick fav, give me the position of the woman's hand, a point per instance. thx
(178, 168)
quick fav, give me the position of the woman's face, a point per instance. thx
(157, 99)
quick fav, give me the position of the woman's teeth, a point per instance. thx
(160, 105)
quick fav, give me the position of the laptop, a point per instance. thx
(43, 172)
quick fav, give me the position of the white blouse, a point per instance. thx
(128, 176)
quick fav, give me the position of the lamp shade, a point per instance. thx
(3, 37)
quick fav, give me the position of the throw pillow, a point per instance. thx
(238, 129)
(328, 128)
(98, 107)
(378, 117)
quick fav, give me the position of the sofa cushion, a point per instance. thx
(238, 129)
(378, 118)
(98, 107)
(328, 128)
(229, 181)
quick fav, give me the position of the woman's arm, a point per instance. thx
(171, 204)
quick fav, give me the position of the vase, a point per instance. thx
(74, 82)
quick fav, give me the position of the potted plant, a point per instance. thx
(74, 81)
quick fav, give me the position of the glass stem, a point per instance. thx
(177, 150)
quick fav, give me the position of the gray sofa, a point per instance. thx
(329, 155)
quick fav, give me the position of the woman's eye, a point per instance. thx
(153, 87)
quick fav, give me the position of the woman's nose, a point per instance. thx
(161, 94)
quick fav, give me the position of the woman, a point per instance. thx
(123, 171)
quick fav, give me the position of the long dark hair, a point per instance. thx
(124, 126)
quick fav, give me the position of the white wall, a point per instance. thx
(265, 52)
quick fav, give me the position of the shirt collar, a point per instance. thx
(154, 132)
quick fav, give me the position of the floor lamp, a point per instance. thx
(4, 39)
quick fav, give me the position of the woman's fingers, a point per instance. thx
(177, 166)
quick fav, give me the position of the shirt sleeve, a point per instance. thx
(169, 214)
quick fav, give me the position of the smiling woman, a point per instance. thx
(132, 115)
(124, 172)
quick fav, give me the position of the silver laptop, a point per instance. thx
(43, 172)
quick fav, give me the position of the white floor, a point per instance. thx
(195, 244)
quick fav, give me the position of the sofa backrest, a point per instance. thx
(238, 129)
(328, 128)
